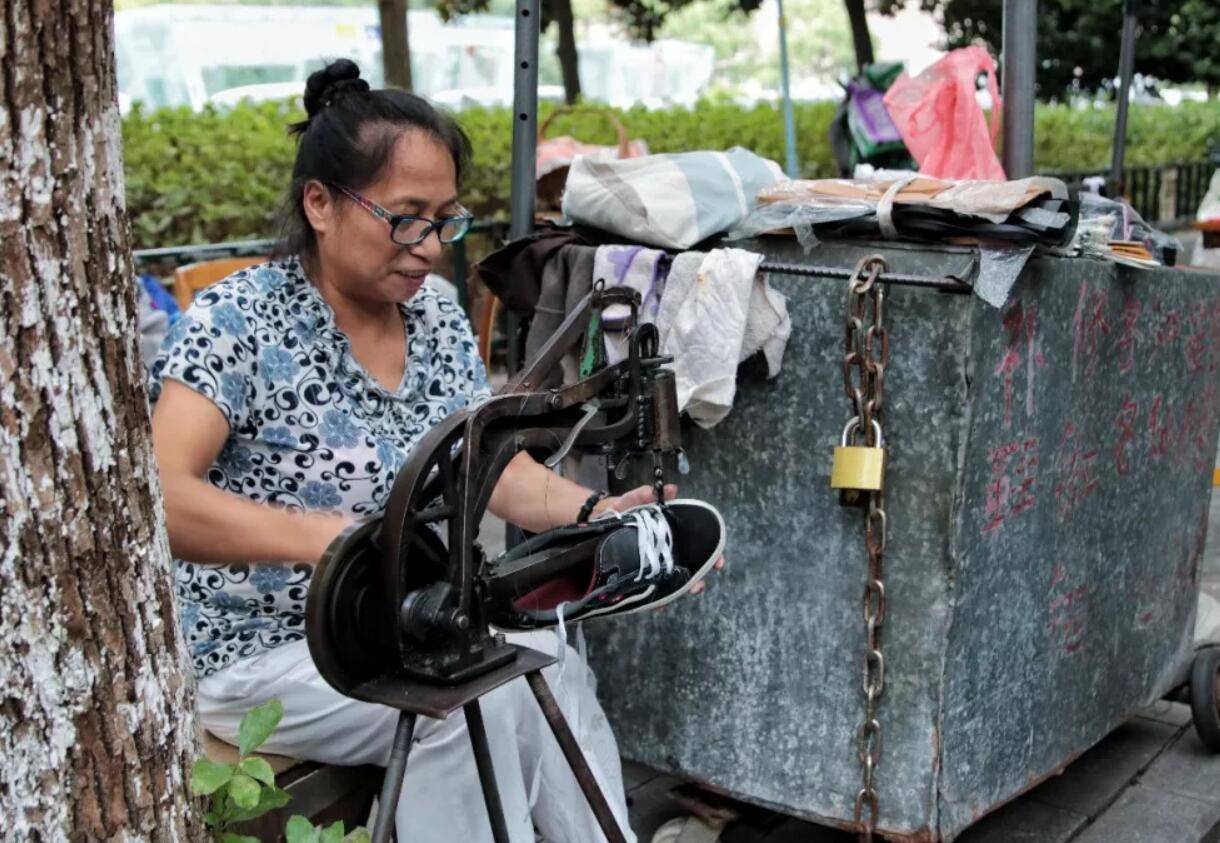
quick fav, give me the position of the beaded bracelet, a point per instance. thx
(587, 509)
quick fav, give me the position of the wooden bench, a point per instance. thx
(323, 793)
(194, 277)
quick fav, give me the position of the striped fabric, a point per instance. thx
(673, 201)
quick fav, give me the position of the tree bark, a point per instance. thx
(860, 37)
(395, 52)
(96, 723)
(565, 49)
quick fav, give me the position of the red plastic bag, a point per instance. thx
(940, 119)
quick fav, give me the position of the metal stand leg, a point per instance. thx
(391, 785)
(576, 759)
(487, 775)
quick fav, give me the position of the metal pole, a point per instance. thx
(576, 759)
(487, 774)
(525, 142)
(391, 785)
(1020, 58)
(1126, 69)
(789, 123)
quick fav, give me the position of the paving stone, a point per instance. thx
(784, 831)
(1148, 815)
(1187, 769)
(636, 775)
(649, 805)
(1140, 738)
(1025, 821)
(1175, 714)
(1091, 782)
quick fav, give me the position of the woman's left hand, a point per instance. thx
(638, 497)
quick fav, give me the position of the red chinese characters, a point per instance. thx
(1129, 338)
(1074, 470)
(1160, 433)
(1089, 327)
(1021, 325)
(1069, 612)
(1014, 470)
(1128, 414)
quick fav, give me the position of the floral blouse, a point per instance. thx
(309, 428)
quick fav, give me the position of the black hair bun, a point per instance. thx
(325, 86)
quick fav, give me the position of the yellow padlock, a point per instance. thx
(857, 466)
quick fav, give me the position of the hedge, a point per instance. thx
(215, 175)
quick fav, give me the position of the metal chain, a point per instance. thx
(865, 356)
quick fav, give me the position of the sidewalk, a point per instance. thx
(1150, 781)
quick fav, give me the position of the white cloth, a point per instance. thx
(639, 268)
(717, 311)
(442, 801)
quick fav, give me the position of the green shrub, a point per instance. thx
(246, 790)
(220, 175)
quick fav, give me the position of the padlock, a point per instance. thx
(857, 469)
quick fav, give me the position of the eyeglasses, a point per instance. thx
(412, 229)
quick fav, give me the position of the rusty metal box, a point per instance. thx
(1049, 474)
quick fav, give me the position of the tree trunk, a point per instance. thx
(565, 49)
(395, 54)
(96, 723)
(860, 37)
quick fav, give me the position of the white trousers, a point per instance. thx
(442, 800)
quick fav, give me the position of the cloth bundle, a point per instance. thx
(673, 201)
(1033, 211)
(1007, 219)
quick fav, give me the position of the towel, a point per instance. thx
(716, 311)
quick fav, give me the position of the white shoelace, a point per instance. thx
(656, 542)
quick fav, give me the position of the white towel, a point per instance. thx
(715, 312)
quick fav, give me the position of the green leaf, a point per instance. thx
(244, 791)
(270, 799)
(333, 833)
(301, 830)
(257, 726)
(230, 837)
(207, 776)
(259, 769)
(358, 835)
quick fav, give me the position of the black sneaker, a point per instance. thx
(617, 564)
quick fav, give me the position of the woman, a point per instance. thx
(285, 400)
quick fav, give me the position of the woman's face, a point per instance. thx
(355, 252)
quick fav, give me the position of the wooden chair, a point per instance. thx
(323, 793)
(193, 277)
(487, 329)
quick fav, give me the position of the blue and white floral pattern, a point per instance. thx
(309, 428)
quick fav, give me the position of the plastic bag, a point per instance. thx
(1209, 208)
(939, 117)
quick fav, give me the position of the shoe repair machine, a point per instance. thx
(398, 607)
